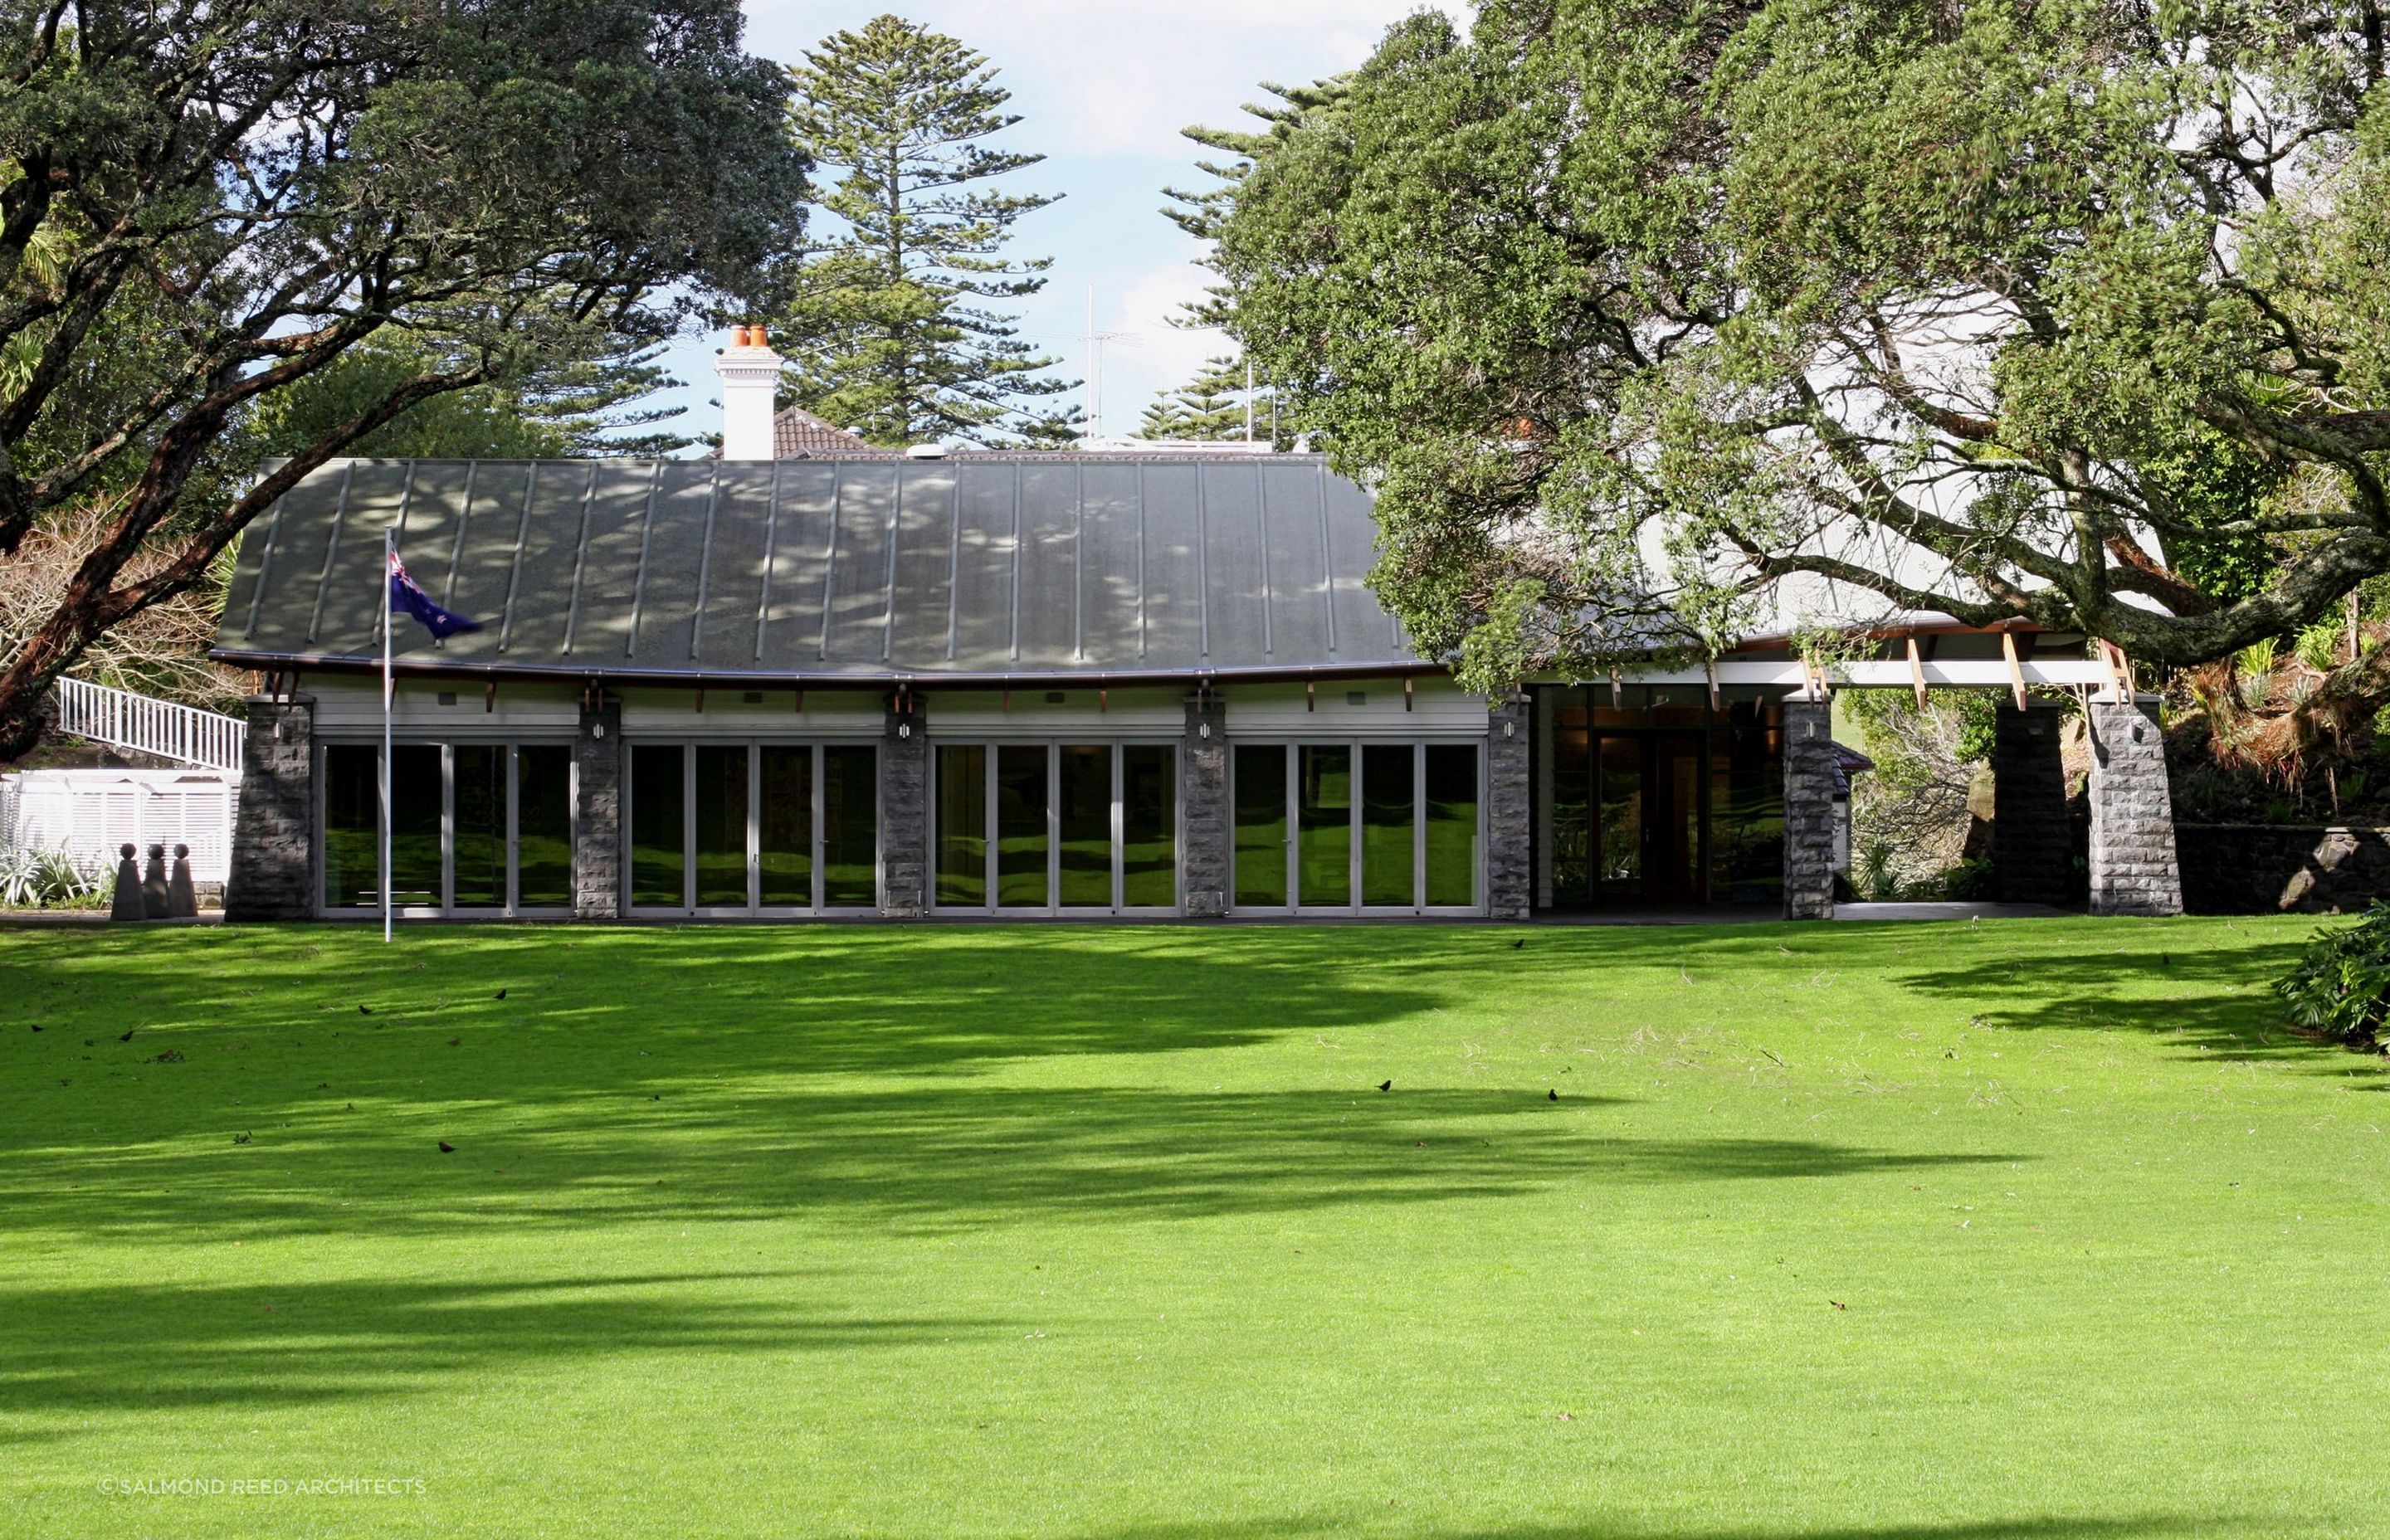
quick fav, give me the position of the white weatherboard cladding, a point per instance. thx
(1140, 713)
(1438, 708)
(674, 714)
(349, 705)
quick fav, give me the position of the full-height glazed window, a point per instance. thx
(351, 825)
(475, 828)
(748, 827)
(544, 826)
(1324, 833)
(720, 827)
(1079, 825)
(850, 839)
(415, 795)
(1021, 831)
(659, 826)
(478, 798)
(1388, 824)
(962, 825)
(1149, 826)
(1083, 825)
(784, 832)
(1449, 799)
(1376, 826)
(1260, 792)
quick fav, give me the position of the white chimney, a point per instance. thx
(751, 373)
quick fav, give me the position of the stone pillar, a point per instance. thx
(273, 873)
(598, 811)
(1809, 817)
(1510, 822)
(2033, 842)
(1207, 826)
(905, 812)
(2133, 866)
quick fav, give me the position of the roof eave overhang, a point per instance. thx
(618, 677)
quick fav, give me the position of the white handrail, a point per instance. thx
(125, 720)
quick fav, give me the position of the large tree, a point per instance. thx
(206, 205)
(887, 336)
(1638, 315)
(1210, 407)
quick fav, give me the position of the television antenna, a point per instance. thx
(1095, 383)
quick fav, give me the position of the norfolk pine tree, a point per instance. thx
(885, 336)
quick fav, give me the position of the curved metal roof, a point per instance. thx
(975, 568)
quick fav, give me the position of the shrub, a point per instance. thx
(2341, 986)
(50, 879)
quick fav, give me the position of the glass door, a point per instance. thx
(476, 828)
(1078, 827)
(1356, 827)
(753, 828)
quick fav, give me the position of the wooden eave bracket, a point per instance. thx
(1916, 671)
(2016, 669)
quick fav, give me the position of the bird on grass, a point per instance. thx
(37, 1026)
(240, 1139)
(1516, 944)
(454, 1041)
(1552, 1096)
(364, 1010)
(502, 995)
(447, 1148)
(127, 1037)
(1385, 1085)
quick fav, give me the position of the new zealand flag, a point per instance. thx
(406, 594)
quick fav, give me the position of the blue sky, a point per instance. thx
(1103, 89)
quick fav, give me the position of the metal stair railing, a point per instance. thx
(123, 719)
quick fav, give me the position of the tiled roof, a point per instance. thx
(991, 567)
(797, 434)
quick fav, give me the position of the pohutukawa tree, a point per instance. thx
(2072, 312)
(206, 206)
(886, 335)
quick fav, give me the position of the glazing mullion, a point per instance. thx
(512, 897)
(688, 826)
(447, 827)
(1053, 828)
(1294, 827)
(1419, 827)
(1120, 837)
(994, 840)
(813, 836)
(754, 828)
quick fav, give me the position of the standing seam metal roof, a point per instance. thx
(980, 567)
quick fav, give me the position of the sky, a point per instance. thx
(1103, 89)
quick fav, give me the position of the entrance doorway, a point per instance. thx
(1656, 804)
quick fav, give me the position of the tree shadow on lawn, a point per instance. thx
(2217, 1002)
(2153, 1527)
(816, 999)
(929, 1159)
(99, 1349)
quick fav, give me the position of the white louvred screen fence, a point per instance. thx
(89, 813)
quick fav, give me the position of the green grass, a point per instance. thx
(1923, 1232)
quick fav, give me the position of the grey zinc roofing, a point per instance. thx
(978, 567)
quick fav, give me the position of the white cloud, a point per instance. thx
(1122, 79)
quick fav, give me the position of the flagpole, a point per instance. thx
(389, 555)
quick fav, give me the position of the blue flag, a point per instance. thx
(408, 595)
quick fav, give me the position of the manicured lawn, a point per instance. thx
(1921, 1232)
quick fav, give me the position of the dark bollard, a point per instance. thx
(153, 884)
(126, 902)
(182, 898)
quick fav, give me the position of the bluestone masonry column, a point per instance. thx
(1509, 839)
(1808, 810)
(2033, 842)
(1204, 802)
(2133, 866)
(598, 811)
(904, 809)
(273, 870)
